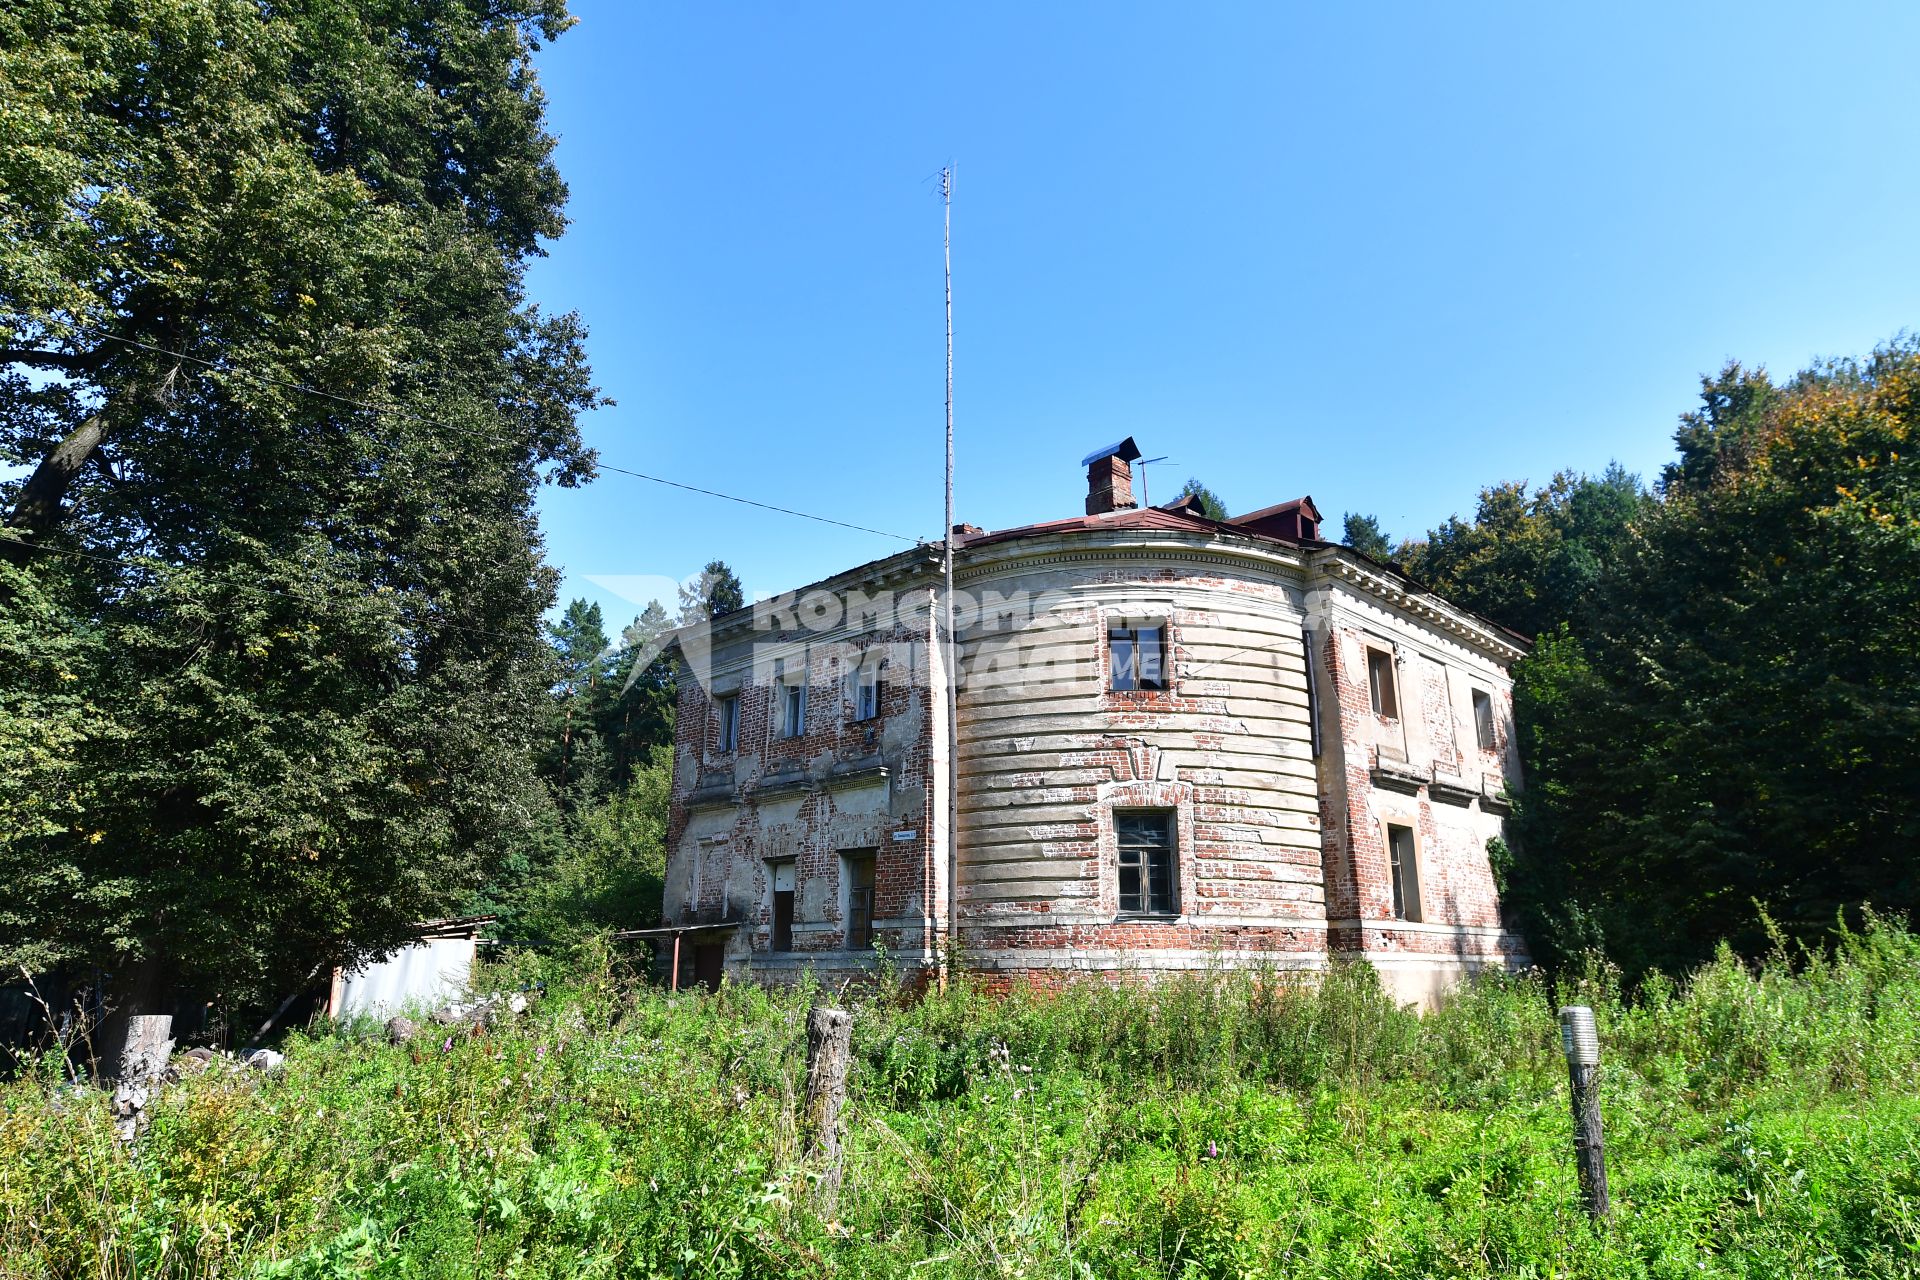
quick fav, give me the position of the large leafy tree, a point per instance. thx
(1721, 714)
(1743, 731)
(284, 406)
(1530, 560)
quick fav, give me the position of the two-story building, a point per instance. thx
(1180, 742)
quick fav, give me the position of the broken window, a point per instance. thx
(866, 691)
(1138, 655)
(858, 870)
(1404, 863)
(781, 937)
(1483, 718)
(727, 738)
(793, 707)
(1380, 684)
(1145, 840)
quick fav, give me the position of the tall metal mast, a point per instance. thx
(952, 654)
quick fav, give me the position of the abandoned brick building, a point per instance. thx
(1181, 742)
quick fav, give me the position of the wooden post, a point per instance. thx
(829, 1054)
(673, 979)
(1582, 1045)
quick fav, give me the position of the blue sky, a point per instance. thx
(1382, 254)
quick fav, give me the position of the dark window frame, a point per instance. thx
(793, 709)
(1150, 866)
(867, 684)
(1126, 675)
(1483, 728)
(780, 924)
(860, 896)
(1384, 694)
(1403, 869)
(726, 738)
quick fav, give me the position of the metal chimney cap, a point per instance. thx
(1127, 450)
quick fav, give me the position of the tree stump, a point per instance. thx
(142, 1062)
(829, 1055)
(147, 1050)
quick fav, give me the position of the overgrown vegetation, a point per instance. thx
(271, 611)
(1724, 703)
(1761, 1122)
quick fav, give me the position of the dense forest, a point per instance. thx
(1720, 717)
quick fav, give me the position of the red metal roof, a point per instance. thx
(1146, 518)
(1176, 517)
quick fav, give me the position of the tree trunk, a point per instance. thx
(829, 1054)
(136, 1037)
(38, 508)
(41, 504)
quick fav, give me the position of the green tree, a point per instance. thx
(1735, 717)
(1210, 505)
(1530, 560)
(1363, 534)
(305, 631)
(639, 715)
(576, 757)
(612, 872)
(714, 594)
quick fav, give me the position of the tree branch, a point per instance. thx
(40, 507)
(66, 361)
(37, 509)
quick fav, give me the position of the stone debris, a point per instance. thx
(491, 1011)
(401, 1030)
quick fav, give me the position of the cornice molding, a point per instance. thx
(1422, 605)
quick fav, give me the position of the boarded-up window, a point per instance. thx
(1483, 718)
(858, 869)
(1138, 655)
(1386, 698)
(1146, 864)
(781, 938)
(1404, 863)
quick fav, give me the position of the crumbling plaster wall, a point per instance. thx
(1425, 772)
(844, 786)
(1048, 751)
(1281, 854)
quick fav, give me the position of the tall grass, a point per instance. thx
(1762, 1122)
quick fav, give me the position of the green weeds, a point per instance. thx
(1762, 1121)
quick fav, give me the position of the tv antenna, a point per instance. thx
(951, 957)
(1143, 464)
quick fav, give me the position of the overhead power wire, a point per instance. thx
(395, 410)
(749, 502)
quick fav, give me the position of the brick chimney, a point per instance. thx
(1110, 477)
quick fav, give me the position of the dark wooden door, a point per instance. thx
(709, 962)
